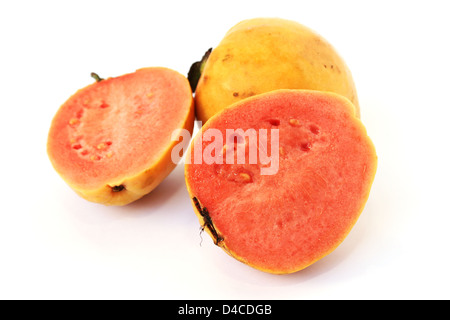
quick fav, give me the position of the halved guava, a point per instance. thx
(281, 218)
(112, 140)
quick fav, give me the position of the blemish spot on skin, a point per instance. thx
(77, 146)
(235, 94)
(227, 57)
(84, 152)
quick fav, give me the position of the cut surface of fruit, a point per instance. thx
(111, 141)
(286, 220)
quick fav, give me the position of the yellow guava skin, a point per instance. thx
(265, 54)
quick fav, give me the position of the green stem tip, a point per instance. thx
(96, 77)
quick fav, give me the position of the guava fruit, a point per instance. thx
(283, 220)
(264, 54)
(112, 140)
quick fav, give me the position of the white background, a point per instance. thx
(55, 245)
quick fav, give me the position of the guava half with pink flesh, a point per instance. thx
(112, 140)
(283, 220)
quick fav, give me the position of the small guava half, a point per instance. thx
(112, 140)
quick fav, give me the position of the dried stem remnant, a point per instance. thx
(207, 222)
